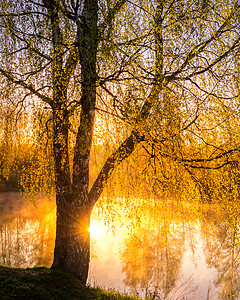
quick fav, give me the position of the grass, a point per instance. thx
(43, 283)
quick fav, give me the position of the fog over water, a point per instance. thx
(160, 256)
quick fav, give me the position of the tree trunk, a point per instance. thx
(72, 245)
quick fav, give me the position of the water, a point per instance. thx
(162, 254)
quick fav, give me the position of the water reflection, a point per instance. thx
(27, 232)
(222, 251)
(164, 255)
(152, 256)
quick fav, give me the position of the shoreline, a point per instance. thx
(45, 283)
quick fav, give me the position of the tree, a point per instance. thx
(143, 55)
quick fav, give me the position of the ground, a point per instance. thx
(46, 284)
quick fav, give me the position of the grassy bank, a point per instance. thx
(43, 283)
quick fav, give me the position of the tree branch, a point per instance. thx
(23, 14)
(202, 46)
(123, 151)
(28, 45)
(71, 62)
(109, 18)
(235, 44)
(130, 143)
(27, 86)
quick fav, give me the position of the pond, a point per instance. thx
(163, 254)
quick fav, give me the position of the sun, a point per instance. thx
(96, 229)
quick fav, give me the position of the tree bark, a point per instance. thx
(72, 245)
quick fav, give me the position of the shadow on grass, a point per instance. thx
(44, 283)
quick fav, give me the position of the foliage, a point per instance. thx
(164, 72)
(26, 148)
(192, 116)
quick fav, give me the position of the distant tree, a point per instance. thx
(152, 64)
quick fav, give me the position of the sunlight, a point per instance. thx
(96, 229)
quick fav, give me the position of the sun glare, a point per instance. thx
(96, 229)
